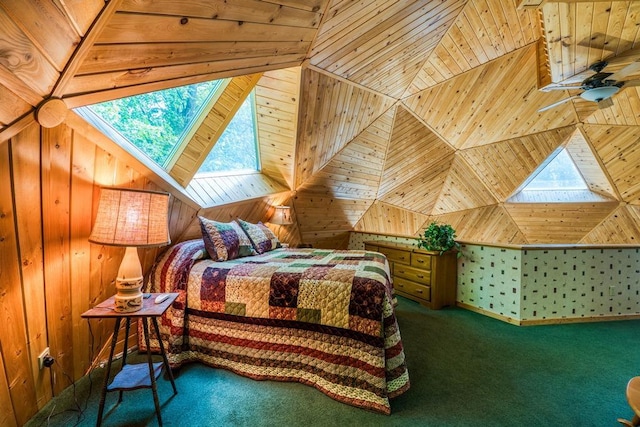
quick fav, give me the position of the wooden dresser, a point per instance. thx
(423, 276)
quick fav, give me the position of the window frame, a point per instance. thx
(256, 141)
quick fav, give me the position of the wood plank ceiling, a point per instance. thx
(376, 116)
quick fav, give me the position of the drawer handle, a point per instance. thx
(421, 261)
(420, 276)
(419, 291)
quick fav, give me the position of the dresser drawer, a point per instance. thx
(396, 255)
(370, 247)
(403, 286)
(414, 274)
(421, 260)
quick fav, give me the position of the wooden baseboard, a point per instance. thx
(560, 321)
(556, 321)
(487, 313)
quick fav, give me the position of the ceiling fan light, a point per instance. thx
(599, 93)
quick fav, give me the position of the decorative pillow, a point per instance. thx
(225, 240)
(262, 238)
(200, 254)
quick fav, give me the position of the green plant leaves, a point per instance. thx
(438, 237)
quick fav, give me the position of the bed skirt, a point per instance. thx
(346, 367)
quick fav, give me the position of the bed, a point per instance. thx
(324, 318)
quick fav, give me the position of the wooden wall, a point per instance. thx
(50, 274)
(391, 115)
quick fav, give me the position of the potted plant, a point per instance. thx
(439, 237)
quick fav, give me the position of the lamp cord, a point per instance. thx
(78, 408)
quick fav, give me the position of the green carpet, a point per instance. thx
(466, 370)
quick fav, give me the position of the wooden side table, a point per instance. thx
(134, 376)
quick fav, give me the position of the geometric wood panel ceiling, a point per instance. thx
(332, 114)
(325, 220)
(497, 225)
(622, 226)
(587, 163)
(379, 113)
(506, 164)
(355, 170)
(388, 219)
(482, 31)
(417, 162)
(365, 42)
(558, 222)
(468, 110)
(619, 149)
(277, 98)
(462, 190)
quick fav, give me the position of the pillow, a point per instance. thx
(224, 240)
(262, 238)
(200, 254)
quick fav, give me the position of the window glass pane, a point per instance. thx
(560, 174)
(156, 122)
(237, 147)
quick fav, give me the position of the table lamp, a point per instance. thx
(131, 218)
(281, 216)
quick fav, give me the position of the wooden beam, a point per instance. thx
(84, 47)
(197, 123)
(88, 98)
(310, 66)
(18, 126)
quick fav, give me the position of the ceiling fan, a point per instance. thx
(599, 87)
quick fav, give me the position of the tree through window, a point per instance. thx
(236, 150)
(156, 122)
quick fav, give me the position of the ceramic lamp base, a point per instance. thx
(129, 296)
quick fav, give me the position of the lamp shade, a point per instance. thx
(281, 216)
(129, 217)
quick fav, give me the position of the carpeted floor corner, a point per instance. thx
(466, 370)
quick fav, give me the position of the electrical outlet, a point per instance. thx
(45, 353)
(612, 291)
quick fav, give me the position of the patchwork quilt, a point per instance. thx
(320, 317)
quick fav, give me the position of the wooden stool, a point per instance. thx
(633, 397)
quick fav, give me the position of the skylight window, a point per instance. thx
(236, 150)
(154, 122)
(559, 174)
(558, 180)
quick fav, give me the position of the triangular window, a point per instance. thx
(560, 180)
(154, 122)
(559, 174)
(237, 148)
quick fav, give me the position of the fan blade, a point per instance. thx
(559, 86)
(605, 103)
(630, 69)
(555, 104)
(631, 83)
